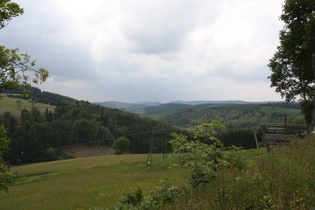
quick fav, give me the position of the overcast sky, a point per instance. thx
(145, 50)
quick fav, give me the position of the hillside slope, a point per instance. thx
(37, 136)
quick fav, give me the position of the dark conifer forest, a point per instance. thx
(39, 136)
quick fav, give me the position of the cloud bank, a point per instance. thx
(145, 50)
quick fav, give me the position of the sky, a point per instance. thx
(149, 50)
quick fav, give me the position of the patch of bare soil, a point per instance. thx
(85, 151)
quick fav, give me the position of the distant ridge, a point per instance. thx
(147, 107)
(118, 104)
(113, 104)
(148, 103)
(212, 102)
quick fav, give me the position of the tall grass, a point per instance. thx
(283, 179)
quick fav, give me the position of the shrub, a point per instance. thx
(203, 159)
(163, 195)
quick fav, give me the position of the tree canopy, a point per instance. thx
(292, 66)
(121, 145)
(8, 10)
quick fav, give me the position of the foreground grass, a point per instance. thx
(283, 179)
(87, 183)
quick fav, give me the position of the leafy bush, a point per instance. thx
(133, 199)
(163, 195)
(204, 159)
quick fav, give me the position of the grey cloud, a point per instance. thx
(146, 50)
(160, 27)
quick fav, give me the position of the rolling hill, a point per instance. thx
(233, 114)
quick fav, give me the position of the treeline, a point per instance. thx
(38, 136)
(244, 138)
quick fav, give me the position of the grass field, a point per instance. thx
(87, 183)
(282, 179)
(8, 104)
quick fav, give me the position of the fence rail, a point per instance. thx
(281, 134)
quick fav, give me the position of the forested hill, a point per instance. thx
(233, 116)
(35, 94)
(46, 97)
(38, 136)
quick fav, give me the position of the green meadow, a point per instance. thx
(255, 179)
(87, 183)
(8, 104)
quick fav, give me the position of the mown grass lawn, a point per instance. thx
(87, 183)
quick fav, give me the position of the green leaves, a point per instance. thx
(203, 159)
(292, 68)
(15, 69)
(121, 145)
(8, 10)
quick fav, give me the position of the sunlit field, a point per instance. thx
(8, 104)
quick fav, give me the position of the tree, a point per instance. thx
(14, 66)
(14, 70)
(292, 66)
(8, 10)
(203, 159)
(121, 145)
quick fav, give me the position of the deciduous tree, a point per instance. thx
(14, 70)
(14, 66)
(203, 159)
(292, 66)
(121, 145)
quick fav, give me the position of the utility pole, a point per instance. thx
(257, 146)
(149, 159)
(150, 150)
(165, 145)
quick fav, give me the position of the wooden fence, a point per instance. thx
(281, 134)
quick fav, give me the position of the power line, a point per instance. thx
(95, 141)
